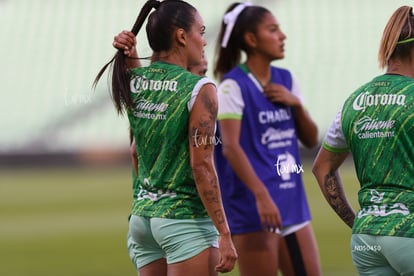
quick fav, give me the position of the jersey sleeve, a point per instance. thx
(334, 140)
(230, 100)
(196, 91)
(296, 89)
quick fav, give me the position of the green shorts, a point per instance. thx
(177, 240)
(382, 255)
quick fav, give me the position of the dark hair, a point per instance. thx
(228, 57)
(399, 28)
(168, 16)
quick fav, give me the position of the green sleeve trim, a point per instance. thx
(332, 149)
(225, 116)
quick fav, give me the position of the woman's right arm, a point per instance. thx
(235, 155)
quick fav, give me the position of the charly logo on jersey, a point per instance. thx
(382, 210)
(278, 138)
(139, 83)
(274, 116)
(366, 99)
(369, 128)
(286, 166)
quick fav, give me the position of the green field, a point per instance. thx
(73, 221)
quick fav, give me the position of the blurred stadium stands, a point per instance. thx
(52, 51)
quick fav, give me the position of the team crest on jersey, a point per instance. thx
(148, 191)
(380, 209)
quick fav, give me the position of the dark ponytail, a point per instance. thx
(226, 58)
(120, 78)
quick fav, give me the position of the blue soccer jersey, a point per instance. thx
(268, 137)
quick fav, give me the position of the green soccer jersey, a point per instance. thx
(162, 94)
(377, 125)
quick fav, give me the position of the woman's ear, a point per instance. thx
(250, 39)
(181, 37)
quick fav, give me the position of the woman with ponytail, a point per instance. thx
(177, 225)
(375, 125)
(261, 118)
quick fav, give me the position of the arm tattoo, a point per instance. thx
(211, 196)
(220, 216)
(336, 198)
(210, 105)
(203, 138)
(203, 135)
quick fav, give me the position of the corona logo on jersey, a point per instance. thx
(364, 100)
(138, 84)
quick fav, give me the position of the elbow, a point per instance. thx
(201, 168)
(308, 136)
(132, 150)
(314, 141)
(311, 142)
(317, 169)
(318, 174)
(321, 170)
(314, 169)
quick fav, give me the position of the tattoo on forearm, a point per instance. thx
(220, 216)
(211, 196)
(202, 137)
(336, 198)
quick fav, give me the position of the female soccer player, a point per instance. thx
(375, 124)
(178, 210)
(261, 117)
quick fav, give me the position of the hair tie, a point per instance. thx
(156, 4)
(405, 41)
(230, 19)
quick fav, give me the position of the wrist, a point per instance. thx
(260, 191)
(225, 233)
(133, 52)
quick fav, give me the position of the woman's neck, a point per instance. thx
(173, 57)
(260, 69)
(399, 68)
